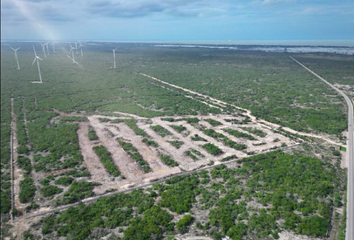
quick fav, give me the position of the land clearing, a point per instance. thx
(109, 130)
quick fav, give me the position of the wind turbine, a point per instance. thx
(15, 50)
(36, 58)
(53, 46)
(43, 49)
(76, 47)
(46, 44)
(72, 53)
(114, 57)
(80, 46)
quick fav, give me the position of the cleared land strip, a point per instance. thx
(11, 161)
(247, 112)
(127, 133)
(91, 160)
(122, 160)
(350, 159)
(88, 200)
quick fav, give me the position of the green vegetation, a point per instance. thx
(239, 134)
(289, 192)
(106, 160)
(168, 160)
(168, 119)
(74, 119)
(65, 181)
(77, 191)
(104, 120)
(256, 131)
(31, 206)
(293, 98)
(150, 142)
(178, 129)
(259, 144)
(246, 120)
(92, 134)
(183, 224)
(155, 220)
(50, 190)
(294, 189)
(196, 137)
(225, 159)
(213, 122)
(133, 152)
(189, 153)
(220, 137)
(27, 190)
(25, 164)
(161, 130)
(111, 212)
(212, 149)
(194, 153)
(191, 120)
(181, 195)
(138, 131)
(177, 144)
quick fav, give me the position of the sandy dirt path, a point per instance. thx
(188, 144)
(166, 146)
(18, 173)
(18, 176)
(148, 155)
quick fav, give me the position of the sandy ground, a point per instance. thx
(91, 160)
(18, 176)
(126, 165)
(285, 235)
(344, 162)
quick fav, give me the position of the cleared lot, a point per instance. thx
(178, 142)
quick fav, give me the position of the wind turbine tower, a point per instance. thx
(76, 47)
(43, 49)
(46, 44)
(53, 46)
(15, 50)
(114, 57)
(80, 46)
(36, 58)
(72, 53)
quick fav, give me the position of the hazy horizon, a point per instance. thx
(327, 43)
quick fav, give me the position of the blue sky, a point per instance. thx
(177, 20)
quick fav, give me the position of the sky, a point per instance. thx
(177, 20)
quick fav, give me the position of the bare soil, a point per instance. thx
(91, 160)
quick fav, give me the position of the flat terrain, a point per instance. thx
(154, 133)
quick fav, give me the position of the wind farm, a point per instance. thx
(36, 59)
(16, 58)
(183, 131)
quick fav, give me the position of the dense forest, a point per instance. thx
(300, 191)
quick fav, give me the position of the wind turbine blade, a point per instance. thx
(12, 48)
(17, 48)
(34, 60)
(34, 51)
(40, 58)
